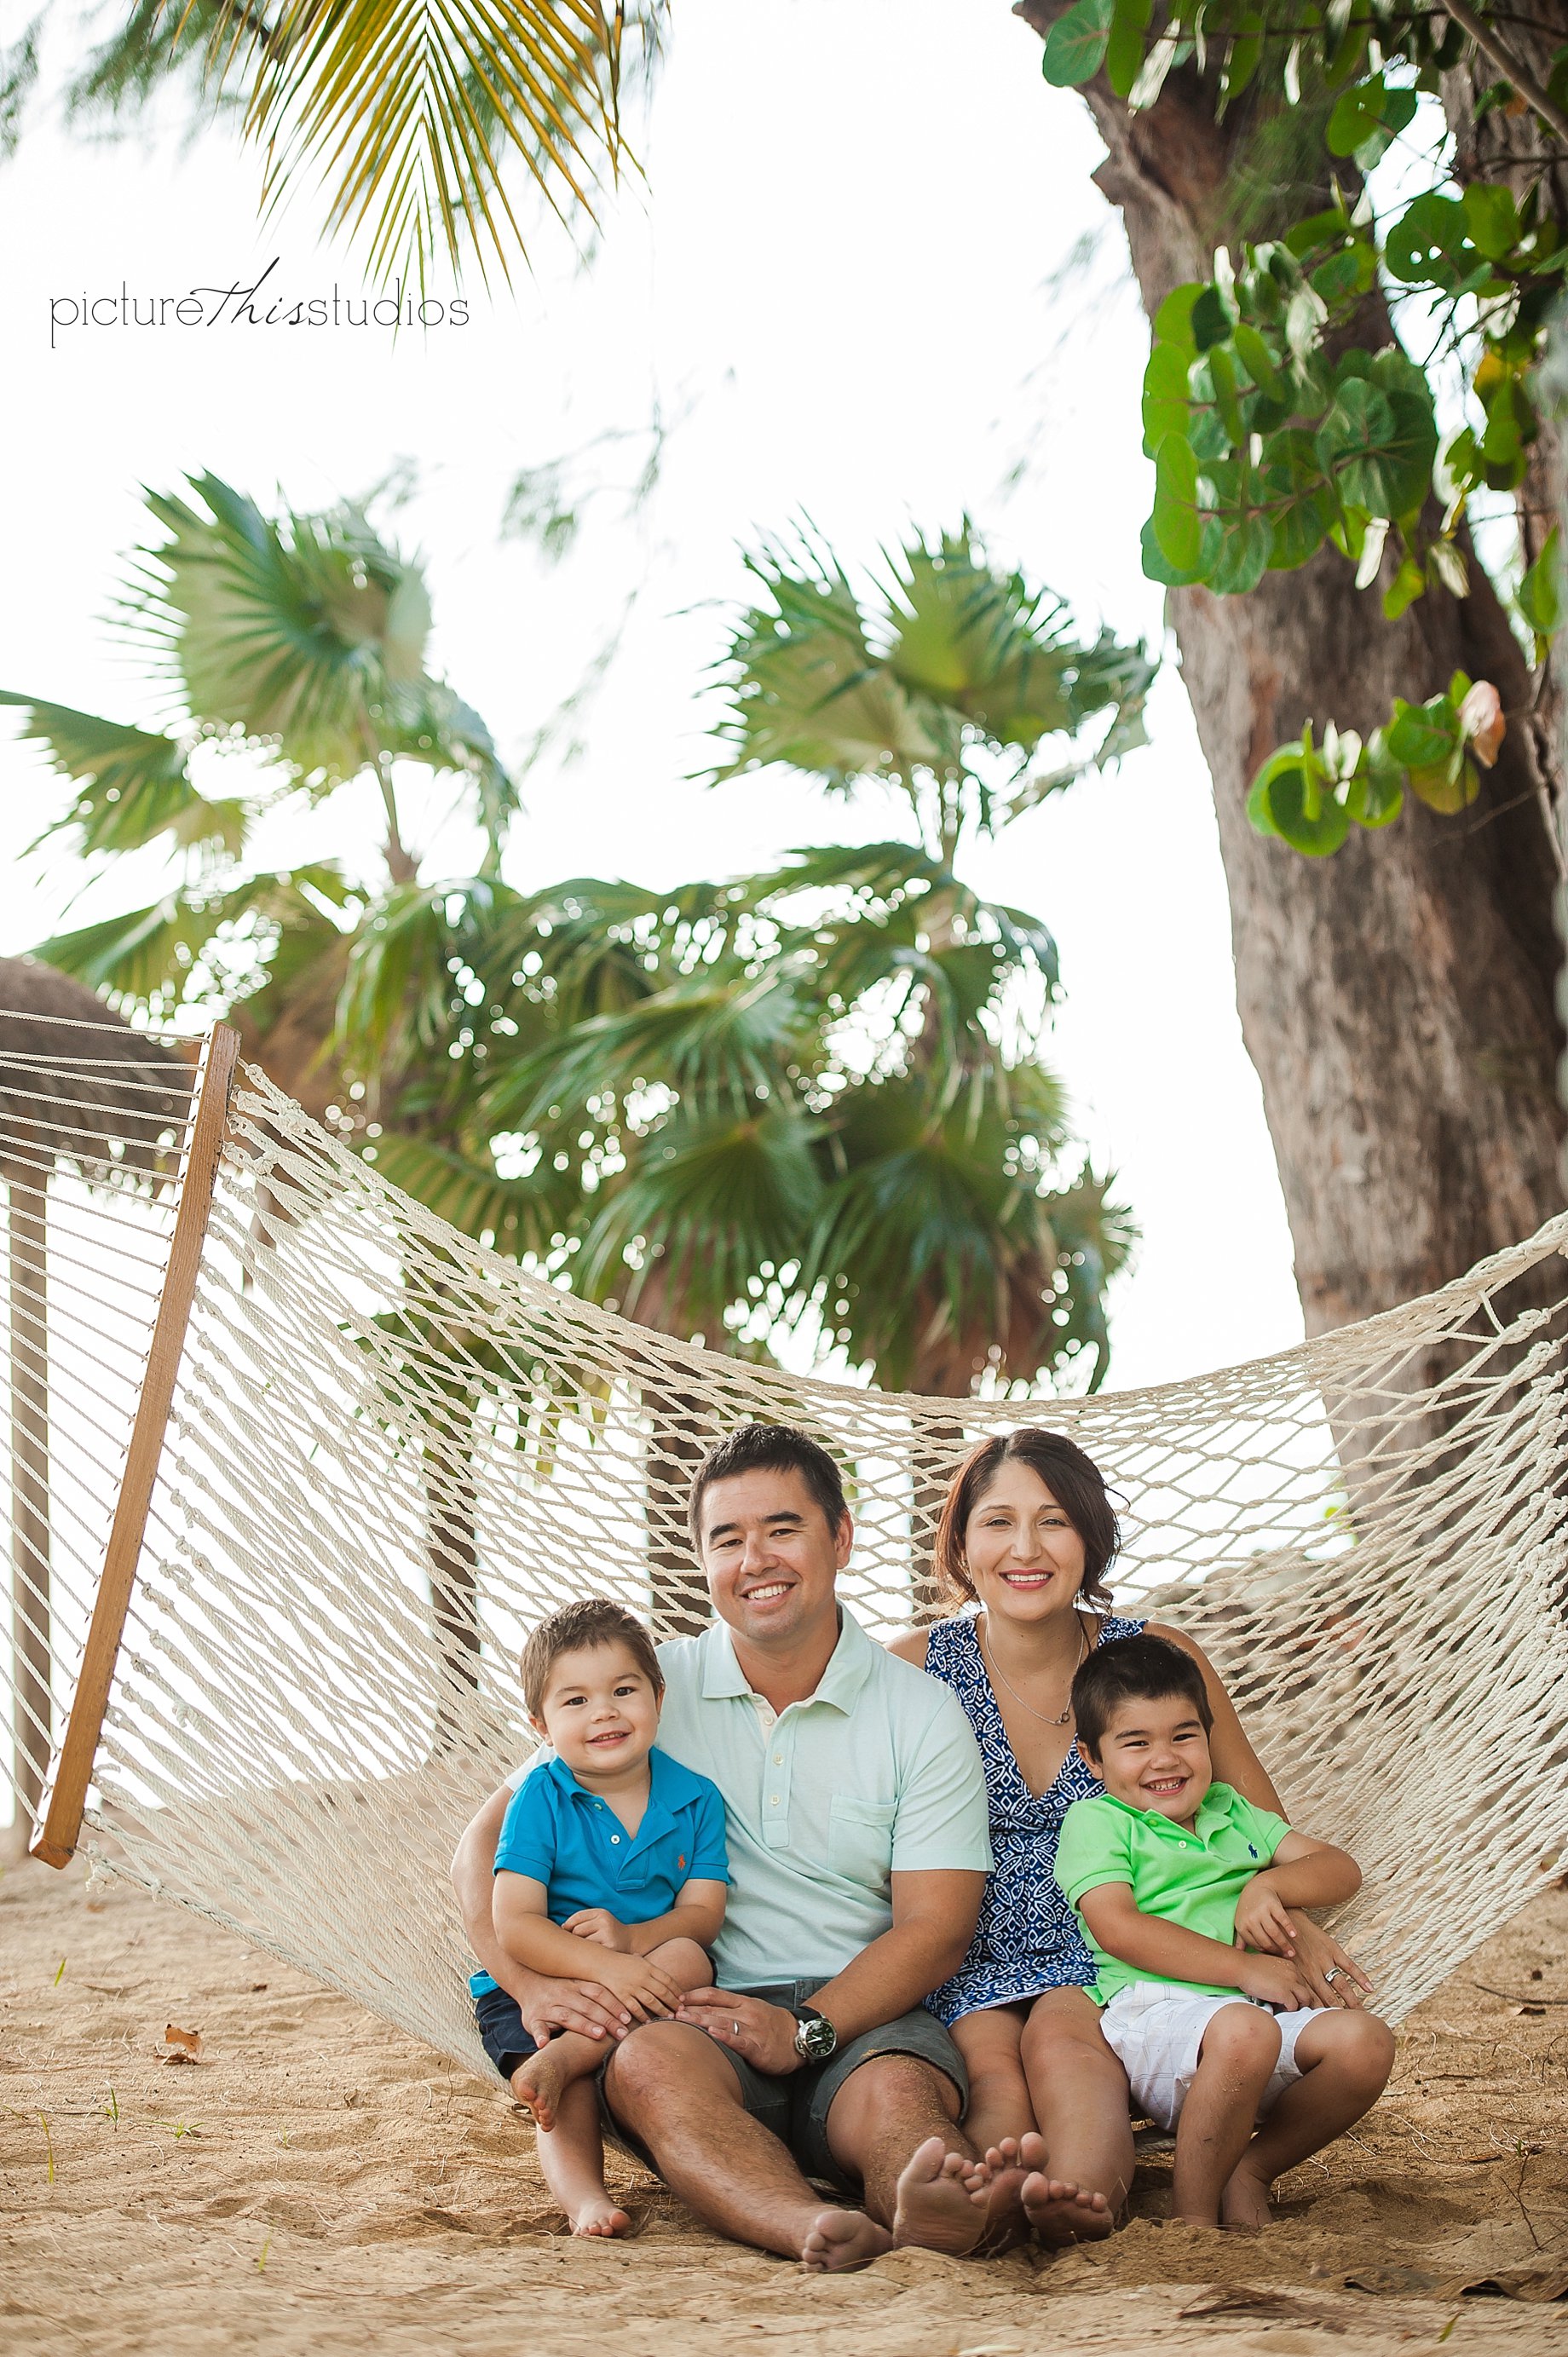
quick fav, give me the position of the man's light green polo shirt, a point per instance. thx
(876, 1774)
(1191, 1875)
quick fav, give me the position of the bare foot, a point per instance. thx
(1008, 2164)
(941, 2201)
(599, 2215)
(1062, 2213)
(1244, 2204)
(841, 2240)
(538, 2085)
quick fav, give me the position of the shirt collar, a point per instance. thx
(849, 1666)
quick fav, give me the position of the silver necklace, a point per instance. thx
(994, 1667)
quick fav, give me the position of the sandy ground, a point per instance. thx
(315, 2182)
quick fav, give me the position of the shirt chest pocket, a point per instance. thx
(860, 1840)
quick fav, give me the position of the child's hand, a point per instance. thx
(1274, 1981)
(598, 1924)
(1261, 1921)
(641, 1985)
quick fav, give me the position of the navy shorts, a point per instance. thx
(500, 2027)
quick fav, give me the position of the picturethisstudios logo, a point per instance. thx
(265, 304)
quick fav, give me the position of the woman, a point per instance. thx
(1027, 1535)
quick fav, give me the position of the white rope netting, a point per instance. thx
(393, 1450)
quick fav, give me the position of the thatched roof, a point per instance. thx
(78, 1084)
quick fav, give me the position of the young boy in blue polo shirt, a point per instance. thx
(1182, 1887)
(611, 1843)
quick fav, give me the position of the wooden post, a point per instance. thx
(56, 1842)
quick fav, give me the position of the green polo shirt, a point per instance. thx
(1191, 1875)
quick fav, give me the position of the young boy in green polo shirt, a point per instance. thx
(1182, 1887)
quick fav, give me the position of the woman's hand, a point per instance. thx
(1263, 1920)
(1317, 1956)
(598, 1924)
(763, 2034)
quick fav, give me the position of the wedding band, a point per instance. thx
(736, 2027)
(1335, 1972)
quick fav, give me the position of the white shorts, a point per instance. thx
(1155, 2032)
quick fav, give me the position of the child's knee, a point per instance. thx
(1243, 2037)
(1361, 2046)
(685, 1962)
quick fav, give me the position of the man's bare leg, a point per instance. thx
(892, 2125)
(571, 2156)
(540, 2083)
(1078, 2091)
(673, 2088)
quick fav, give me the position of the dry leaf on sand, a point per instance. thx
(181, 2045)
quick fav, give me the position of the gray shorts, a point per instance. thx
(795, 2107)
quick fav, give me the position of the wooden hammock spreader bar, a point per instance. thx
(55, 1843)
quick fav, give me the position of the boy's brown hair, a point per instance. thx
(593, 1621)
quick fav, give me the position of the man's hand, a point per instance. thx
(598, 1924)
(1317, 1954)
(588, 2006)
(1274, 1981)
(1263, 1920)
(761, 2033)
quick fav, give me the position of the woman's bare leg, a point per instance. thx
(1078, 2093)
(999, 2107)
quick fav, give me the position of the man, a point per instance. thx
(858, 1846)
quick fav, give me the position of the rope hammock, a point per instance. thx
(317, 1460)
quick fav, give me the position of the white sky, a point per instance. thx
(838, 278)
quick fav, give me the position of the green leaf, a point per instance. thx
(1178, 526)
(1293, 792)
(1422, 737)
(1379, 448)
(1429, 244)
(1167, 406)
(1539, 594)
(1449, 789)
(1356, 114)
(1158, 567)
(1377, 791)
(1301, 502)
(1258, 361)
(1172, 321)
(1212, 318)
(1408, 584)
(1075, 44)
(1125, 45)
(1492, 218)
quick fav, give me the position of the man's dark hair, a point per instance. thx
(768, 1448)
(577, 1629)
(1134, 1669)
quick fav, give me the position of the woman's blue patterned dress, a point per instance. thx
(1027, 1938)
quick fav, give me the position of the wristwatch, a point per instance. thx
(816, 2039)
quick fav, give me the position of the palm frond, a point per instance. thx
(516, 1216)
(134, 785)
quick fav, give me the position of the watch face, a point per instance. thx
(816, 2039)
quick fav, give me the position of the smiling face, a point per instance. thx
(772, 1557)
(1153, 1754)
(1024, 1558)
(600, 1711)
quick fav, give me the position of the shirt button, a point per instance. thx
(615, 1837)
(773, 1804)
(778, 1759)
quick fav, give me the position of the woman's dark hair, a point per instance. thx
(768, 1448)
(1074, 1481)
(1134, 1669)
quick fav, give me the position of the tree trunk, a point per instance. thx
(1398, 999)
(28, 1187)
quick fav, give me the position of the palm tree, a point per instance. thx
(105, 1108)
(408, 116)
(297, 650)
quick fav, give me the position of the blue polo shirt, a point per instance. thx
(560, 1833)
